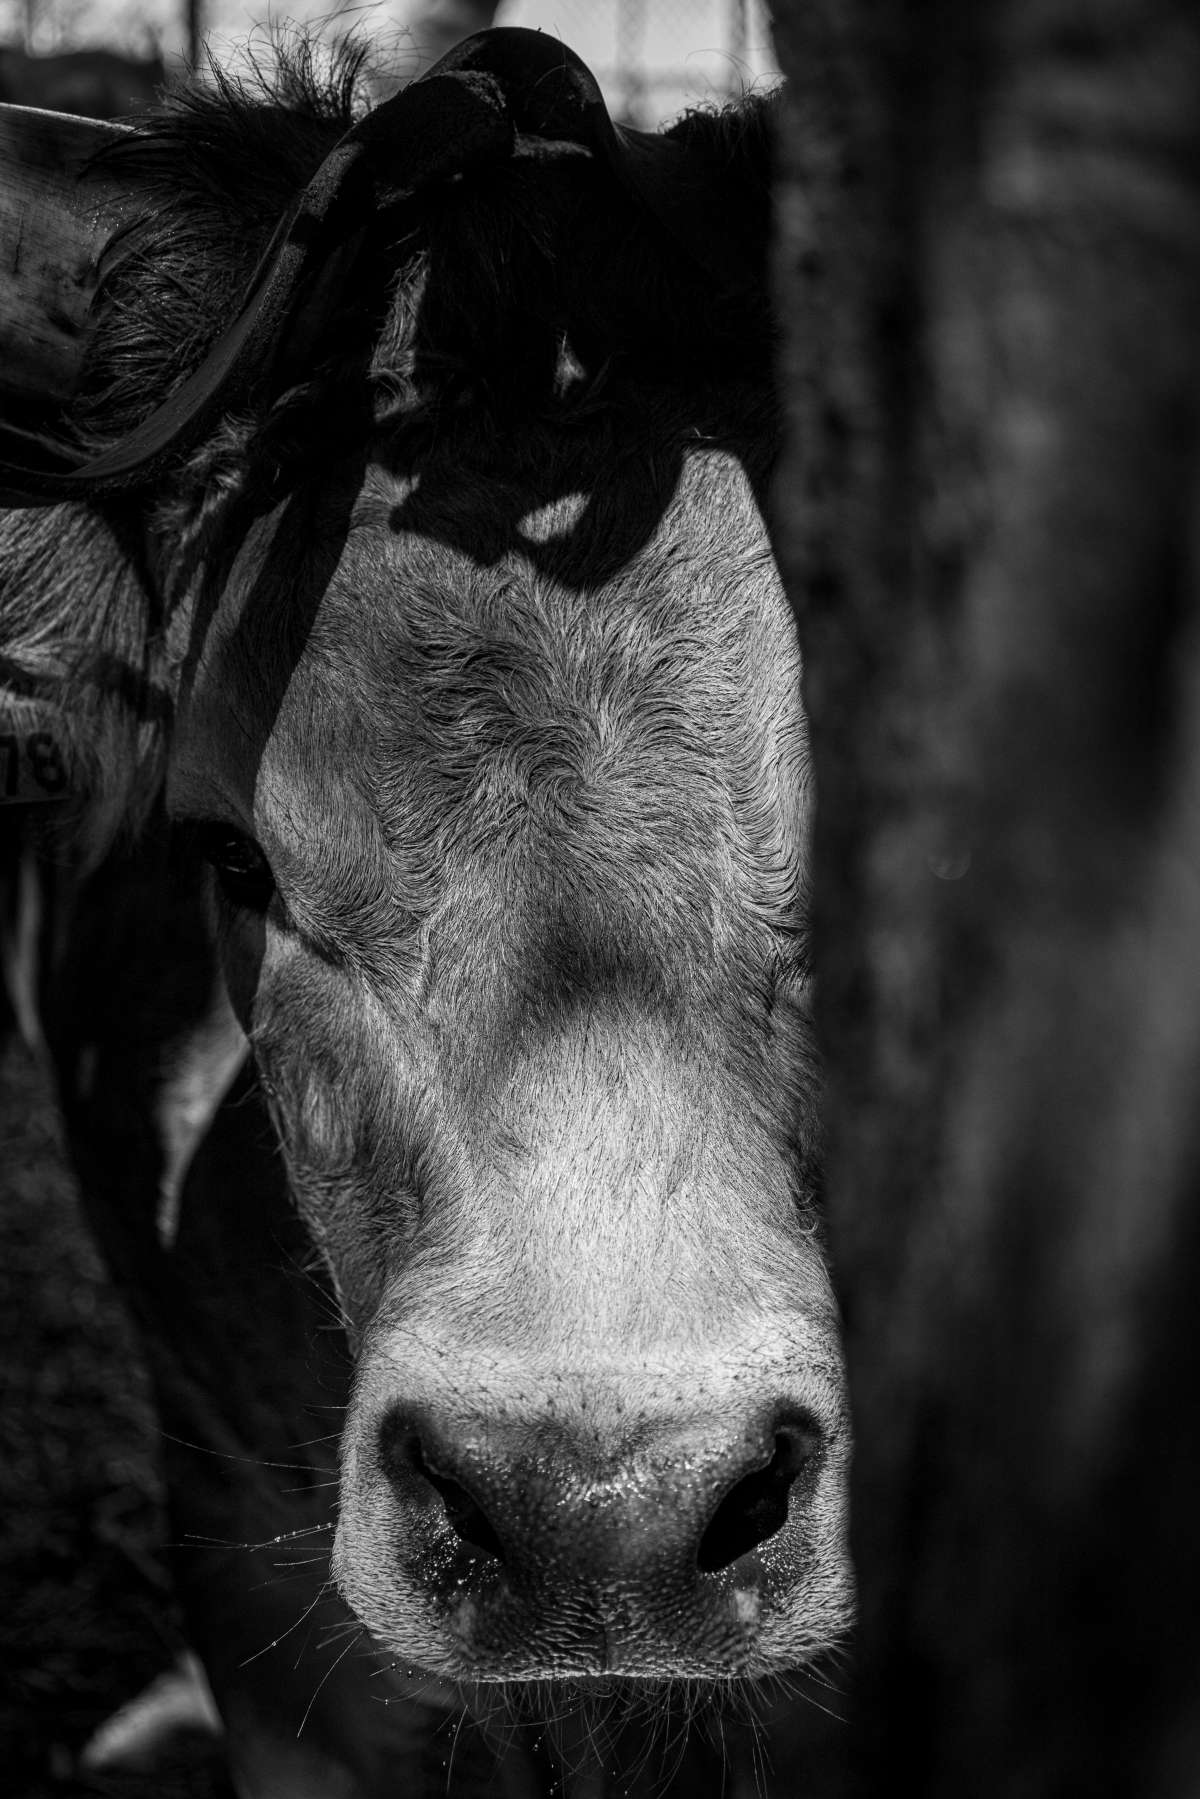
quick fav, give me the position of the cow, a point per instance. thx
(412, 909)
(98, 83)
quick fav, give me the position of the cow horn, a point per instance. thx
(551, 93)
(59, 206)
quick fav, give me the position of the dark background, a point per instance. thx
(86, 1615)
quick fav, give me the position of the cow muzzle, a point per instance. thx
(573, 1529)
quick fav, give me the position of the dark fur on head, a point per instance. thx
(486, 280)
(525, 291)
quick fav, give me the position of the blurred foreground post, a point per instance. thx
(194, 32)
(990, 271)
(433, 27)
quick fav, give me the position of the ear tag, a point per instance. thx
(34, 754)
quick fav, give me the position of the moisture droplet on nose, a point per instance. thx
(465, 1613)
(747, 1605)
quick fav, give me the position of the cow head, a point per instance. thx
(481, 703)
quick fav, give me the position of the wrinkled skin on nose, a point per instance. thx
(529, 1004)
(653, 1547)
(608, 1437)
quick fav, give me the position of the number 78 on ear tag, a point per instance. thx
(33, 765)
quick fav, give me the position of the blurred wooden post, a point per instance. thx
(631, 22)
(194, 29)
(435, 26)
(739, 39)
(990, 515)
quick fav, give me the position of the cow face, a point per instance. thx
(509, 849)
(490, 734)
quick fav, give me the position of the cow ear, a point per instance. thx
(85, 693)
(436, 128)
(59, 207)
(79, 734)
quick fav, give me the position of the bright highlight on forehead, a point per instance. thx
(558, 519)
(529, 723)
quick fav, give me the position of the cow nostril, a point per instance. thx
(757, 1506)
(466, 1518)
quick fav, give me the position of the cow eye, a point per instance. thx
(241, 868)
